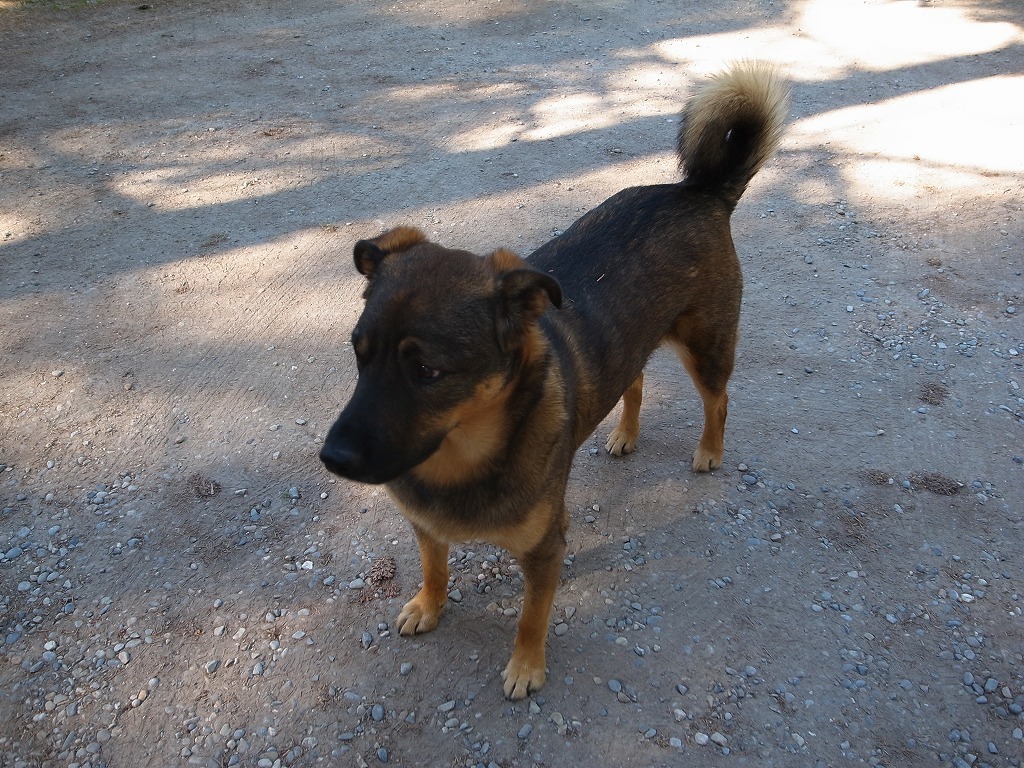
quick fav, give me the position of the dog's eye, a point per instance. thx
(426, 373)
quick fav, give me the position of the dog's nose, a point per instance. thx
(340, 460)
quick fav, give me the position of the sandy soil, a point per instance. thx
(181, 583)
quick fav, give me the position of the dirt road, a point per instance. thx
(181, 583)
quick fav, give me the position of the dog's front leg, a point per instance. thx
(422, 613)
(542, 567)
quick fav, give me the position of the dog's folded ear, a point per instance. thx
(369, 254)
(523, 295)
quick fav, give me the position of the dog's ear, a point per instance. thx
(369, 254)
(523, 294)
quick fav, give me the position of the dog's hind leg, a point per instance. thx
(709, 363)
(422, 613)
(623, 437)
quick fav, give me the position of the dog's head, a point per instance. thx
(440, 341)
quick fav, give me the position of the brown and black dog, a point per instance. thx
(480, 377)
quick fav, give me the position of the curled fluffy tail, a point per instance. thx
(731, 127)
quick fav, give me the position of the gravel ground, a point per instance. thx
(182, 584)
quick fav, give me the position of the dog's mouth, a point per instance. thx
(351, 465)
(372, 464)
(342, 462)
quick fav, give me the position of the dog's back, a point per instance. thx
(657, 263)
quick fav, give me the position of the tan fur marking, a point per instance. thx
(709, 452)
(534, 346)
(517, 539)
(399, 239)
(476, 429)
(527, 535)
(526, 671)
(623, 437)
(422, 613)
(465, 454)
(542, 568)
(504, 260)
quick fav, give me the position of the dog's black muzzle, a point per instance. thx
(349, 452)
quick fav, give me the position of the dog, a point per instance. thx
(480, 377)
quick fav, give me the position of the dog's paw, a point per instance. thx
(419, 615)
(705, 461)
(521, 677)
(620, 442)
